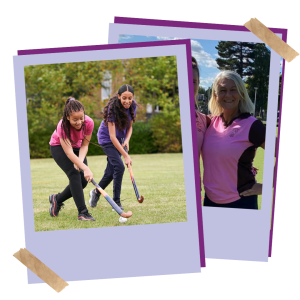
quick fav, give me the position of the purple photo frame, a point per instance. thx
(187, 255)
(192, 26)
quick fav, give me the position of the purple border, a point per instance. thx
(168, 23)
(103, 47)
(190, 72)
(196, 160)
(277, 156)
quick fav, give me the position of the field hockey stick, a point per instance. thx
(111, 201)
(139, 198)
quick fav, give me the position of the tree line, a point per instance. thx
(154, 80)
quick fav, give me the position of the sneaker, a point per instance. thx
(94, 198)
(85, 216)
(120, 205)
(55, 207)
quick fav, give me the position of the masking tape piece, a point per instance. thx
(40, 269)
(271, 39)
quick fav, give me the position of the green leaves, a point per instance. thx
(154, 80)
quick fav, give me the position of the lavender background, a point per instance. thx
(229, 233)
(127, 251)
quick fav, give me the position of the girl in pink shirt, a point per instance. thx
(202, 121)
(69, 146)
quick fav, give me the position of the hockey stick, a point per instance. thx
(111, 201)
(139, 198)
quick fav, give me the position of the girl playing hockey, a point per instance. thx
(69, 146)
(119, 114)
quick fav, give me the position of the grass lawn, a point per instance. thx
(159, 178)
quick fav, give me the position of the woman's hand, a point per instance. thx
(255, 190)
(126, 143)
(76, 167)
(88, 175)
(127, 160)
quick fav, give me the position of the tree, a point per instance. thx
(260, 76)
(48, 86)
(153, 78)
(236, 56)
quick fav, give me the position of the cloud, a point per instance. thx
(203, 58)
(162, 38)
(169, 38)
(124, 37)
(207, 81)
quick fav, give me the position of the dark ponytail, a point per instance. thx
(71, 105)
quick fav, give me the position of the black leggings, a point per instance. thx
(77, 181)
(114, 170)
(248, 202)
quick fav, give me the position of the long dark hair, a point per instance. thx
(117, 110)
(71, 106)
(195, 66)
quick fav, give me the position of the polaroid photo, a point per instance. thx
(239, 139)
(69, 98)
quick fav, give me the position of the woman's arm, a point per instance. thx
(128, 136)
(114, 140)
(66, 145)
(257, 187)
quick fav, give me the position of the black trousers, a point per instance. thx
(248, 202)
(114, 170)
(77, 181)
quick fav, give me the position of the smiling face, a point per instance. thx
(76, 119)
(227, 95)
(126, 99)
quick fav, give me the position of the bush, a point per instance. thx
(166, 128)
(141, 141)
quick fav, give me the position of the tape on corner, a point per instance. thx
(271, 39)
(40, 269)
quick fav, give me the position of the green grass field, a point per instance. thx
(159, 178)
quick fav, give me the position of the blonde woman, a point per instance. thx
(230, 145)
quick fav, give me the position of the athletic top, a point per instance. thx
(103, 133)
(228, 153)
(76, 136)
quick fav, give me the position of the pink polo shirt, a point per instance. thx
(228, 154)
(76, 136)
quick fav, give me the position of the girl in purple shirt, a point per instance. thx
(69, 146)
(119, 114)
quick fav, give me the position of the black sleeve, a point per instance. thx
(257, 133)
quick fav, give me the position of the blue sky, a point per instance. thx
(203, 50)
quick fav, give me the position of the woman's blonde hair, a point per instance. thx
(245, 104)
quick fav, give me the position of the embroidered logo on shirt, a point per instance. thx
(234, 132)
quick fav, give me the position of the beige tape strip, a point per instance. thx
(40, 269)
(271, 39)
